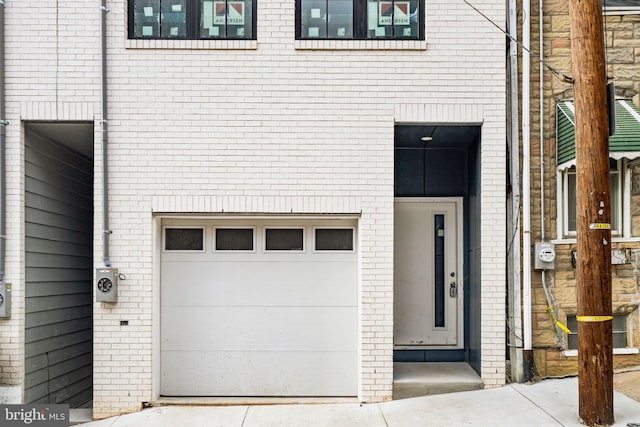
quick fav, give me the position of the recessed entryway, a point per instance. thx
(436, 250)
(58, 263)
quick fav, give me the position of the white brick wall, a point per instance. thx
(266, 126)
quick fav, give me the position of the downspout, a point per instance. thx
(514, 242)
(3, 136)
(543, 275)
(550, 300)
(541, 95)
(105, 137)
(526, 187)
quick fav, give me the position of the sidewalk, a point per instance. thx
(547, 403)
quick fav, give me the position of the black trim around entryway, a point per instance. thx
(457, 355)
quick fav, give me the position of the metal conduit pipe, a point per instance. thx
(3, 136)
(105, 137)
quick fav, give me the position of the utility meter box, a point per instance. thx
(545, 256)
(5, 299)
(106, 284)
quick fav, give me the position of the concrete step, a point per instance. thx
(80, 416)
(428, 378)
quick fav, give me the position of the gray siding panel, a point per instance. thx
(58, 257)
(36, 201)
(48, 246)
(44, 260)
(59, 315)
(53, 288)
(56, 220)
(55, 357)
(69, 195)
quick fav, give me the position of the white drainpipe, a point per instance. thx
(515, 241)
(105, 135)
(526, 184)
(3, 170)
(541, 95)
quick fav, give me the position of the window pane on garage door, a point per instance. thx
(284, 239)
(334, 239)
(183, 239)
(234, 239)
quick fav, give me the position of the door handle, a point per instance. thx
(453, 290)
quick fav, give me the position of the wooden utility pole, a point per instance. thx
(593, 211)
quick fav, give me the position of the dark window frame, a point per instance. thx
(166, 244)
(572, 337)
(619, 192)
(231, 227)
(360, 8)
(329, 229)
(268, 249)
(619, 4)
(193, 23)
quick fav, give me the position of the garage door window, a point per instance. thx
(284, 239)
(184, 239)
(334, 239)
(234, 239)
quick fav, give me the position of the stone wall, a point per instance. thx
(623, 65)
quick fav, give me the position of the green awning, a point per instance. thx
(624, 144)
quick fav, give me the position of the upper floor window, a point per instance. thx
(624, 152)
(616, 189)
(360, 19)
(192, 19)
(621, 7)
(621, 4)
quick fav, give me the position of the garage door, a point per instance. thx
(258, 308)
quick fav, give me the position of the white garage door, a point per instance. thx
(258, 308)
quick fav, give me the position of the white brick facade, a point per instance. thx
(267, 126)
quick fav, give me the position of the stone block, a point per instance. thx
(622, 271)
(565, 296)
(635, 225)
(561, 43)
(560, 23)
(556, 7)
(622, 361)
(540, 362)
(624, 286)
(538, 296)
(626, 42)
(561, 58)
(634, 318)
(620, 29)
(541, 319)
(544, 338)
(564, 276)
(563, 367)
(620, 55)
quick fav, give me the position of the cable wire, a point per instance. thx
(559, 74)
